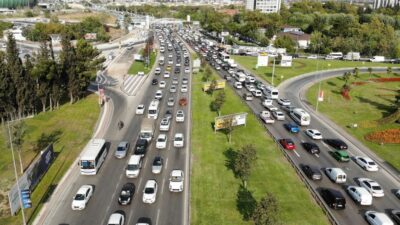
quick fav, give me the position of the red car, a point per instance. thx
(287, 144)
(183, 101)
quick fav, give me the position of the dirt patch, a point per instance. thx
(300, 65)
(386, 79)
(390, 136)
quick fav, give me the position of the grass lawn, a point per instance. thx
(75, 123)
(103, 17)
(138, 66)
(300, 66)
(214, 188)
(368, 103)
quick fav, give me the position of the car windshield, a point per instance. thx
(178, 139)
(79, 197)
(149, 190)
(376, 188)
(120, 149)
(371, 163)
(125, 193)
(157, 163)
(87, 164)
(133, 167)
(176, 179)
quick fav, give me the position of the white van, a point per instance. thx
(134, 165)
(337, 175)
(360, 195)
(377, 58)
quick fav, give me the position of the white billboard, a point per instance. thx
(286, 61)
(262, 59)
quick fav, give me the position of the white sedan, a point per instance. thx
(161, 141)
(166, 74)
(314, 134)
(283, 101)
(157, 71)
(372, 186)
(180, 116)
(158, 95)
(366, 163)
(375, 218)
(165, 124)
(179, 140)
(150, 192)
(187, 70)
(171, 102)
(162, 84)
(278, 115)
(176, 181)
(184, 88)
(82, 197)
(140, 109)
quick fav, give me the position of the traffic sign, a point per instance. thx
(26, 198)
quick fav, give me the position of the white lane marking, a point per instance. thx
(316, 155)
(302, 141)
(162, 185)
(166, 163)
(295, 152)
(158, 216)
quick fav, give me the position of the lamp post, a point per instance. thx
(273, 73)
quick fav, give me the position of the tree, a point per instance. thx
(18, 134)
(266, 211)
(389, 70)
(244, 161)
(68, 67)
(207, 73)
(213, 87)
(42, 72)
(356, 72)
(7, 90)
(346, 77)
(369, 71)
(285, 42)
(219, 101)
(14, 67)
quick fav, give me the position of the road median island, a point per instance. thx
(71, 127)
(140, 66)
(217, 197)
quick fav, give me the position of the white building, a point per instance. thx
(385, 3)
(265, 6)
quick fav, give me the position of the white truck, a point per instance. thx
(352, 56)
(378, 58)
(232, 63)
(147, 129)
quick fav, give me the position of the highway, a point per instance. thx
(169, 208)
(353, 214)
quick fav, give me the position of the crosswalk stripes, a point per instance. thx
(105, 80)
(132, 84)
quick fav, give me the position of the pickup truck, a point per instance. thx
(266, 117)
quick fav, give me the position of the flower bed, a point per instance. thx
(390, 136)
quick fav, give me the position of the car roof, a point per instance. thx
(115, 218)
(176, 173)
(83, 189)
(381, 217)
(360, 190)
(122, 144)
(150, 183)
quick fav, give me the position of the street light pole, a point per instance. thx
(319, 85)
(273, 73)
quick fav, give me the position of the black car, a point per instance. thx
(312, 172)
(168, 114)
(141, 147)
(126, 194)
(311, 147)
(154, 82)
(333, 198)
(395, 214)
(336, 144)
(186, 63)
(177, 70)
(144, 220)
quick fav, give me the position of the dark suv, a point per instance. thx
(333, 198)
(336, 144)
(141, 147)
(312, 172)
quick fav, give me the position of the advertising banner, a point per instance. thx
(220, 85)
(232, 120)
(262, 59)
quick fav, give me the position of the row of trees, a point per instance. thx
(45, 81)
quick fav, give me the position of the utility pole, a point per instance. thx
(319, 85)
(273, 73)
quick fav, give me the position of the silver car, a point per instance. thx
(157, 165)
(122, 149)
(171, 102)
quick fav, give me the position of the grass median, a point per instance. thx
(300, 66)
(73, 126)
(140, 66)
(214, 188)
(369, 103)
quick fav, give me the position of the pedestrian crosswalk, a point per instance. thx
(132, 84)
(105, 80)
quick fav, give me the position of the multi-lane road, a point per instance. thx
(169, 208)
(294, 91)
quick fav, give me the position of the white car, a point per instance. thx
(170, 62)
(278, 115)
(161, 141)
(187, 70)
(157, 71)
(176, 181)
(231, 71)
(250, 87)
(266, 117)
(184, 88)
(158, 95)
(175, 80)
(377, 218)
(172, 89)
(157, 165)
(180, 116)
(171, 102)
(184, 80)
(140, 109)
(372, 186)
(82, 197)
(366, 163)
(167, 74)
(116, 219)
(238, 85)
(312, 57)
(170, 56)
(150, 192)
(314, 134)
(179, 140)
(283, 101)
(267, 102)
(217, 67)
(162, 84)
(359, 195)
(165, 124)
(257, 93)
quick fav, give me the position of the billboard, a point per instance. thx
(262, 59)
(286, 61)
(220, 85)
(31, 177)
(232, 120)
(90, 36)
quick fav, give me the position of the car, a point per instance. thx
(372, 186)
(250, 87)
(311, 172)
(184, 88)
(238, 85)
(170, 62)
(116, 218)
(283, 101)
(168, 114)
(168, 68)
(157, 165)
(141, 147)
(366, 163)
(167, 74)
(278, 115)
(314, 134)
(157, 71)
(395, 214)
(171, 102)
(397, 193)
(150, 192)
(287, 144)
(143, 221)
(161, 141)
(291, 127)
(266, 117)
(180, 116)
(333, 198)
(140, 109)
(82, 197)
(183, 101)
(165, 124)
(359, 195)
(311, 147)
(162, 84)
(122, 149)
(336, 144)
(175, 80)
(179, 140)
(336, 175)
(126, 194)
(288, 108)
(184, 80)
(187, 70)
(154, 82)
(312, 57)
(340, 155)
(176, 181)
(217, 67)
(158, 95)
(247, 96)
(377, 218)
(257, 93)
(172, 89)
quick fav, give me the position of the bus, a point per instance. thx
(301, 117)
(153, 109)
(92, 156)
(271, 92)
(223, 56)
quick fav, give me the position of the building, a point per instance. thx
(13, 4)
(265, 6)
(385, 3)
(302, 39)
